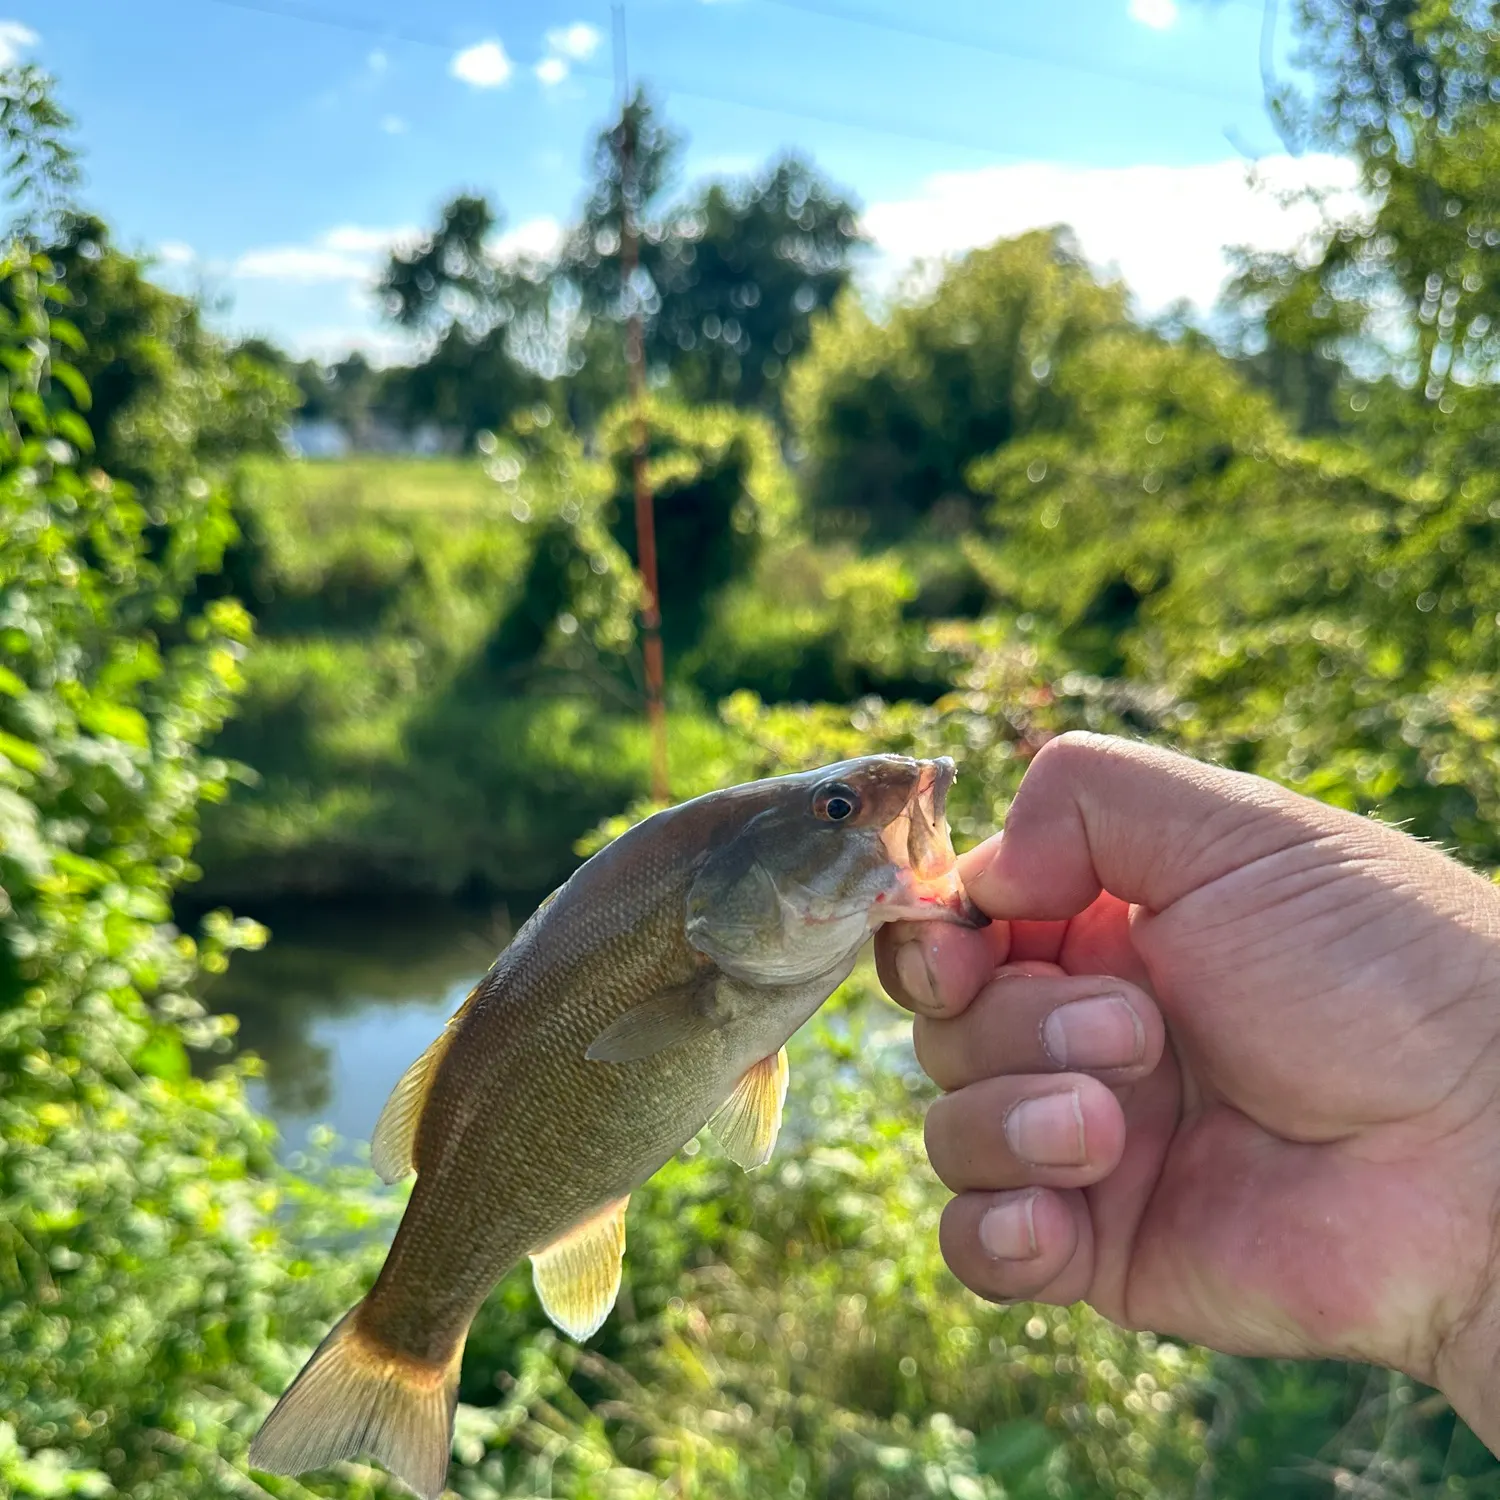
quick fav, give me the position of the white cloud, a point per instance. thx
(298, 263)
(356, 253)
(1163, 229)
(1159, 15)
(175, 253)
(14, 40)
(566, 45)
(577, 42)
(536, 237)
(356, 239)
(380, 346)
(378, 61)
(482, 66)
(393, 125)
(350, 252)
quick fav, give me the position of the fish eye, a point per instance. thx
(835, 802)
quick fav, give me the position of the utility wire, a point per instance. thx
(338, 22)
(972, 43)
(873, 123)
(341, 22)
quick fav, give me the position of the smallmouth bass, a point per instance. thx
(650, 995)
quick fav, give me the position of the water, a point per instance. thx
(345, 996)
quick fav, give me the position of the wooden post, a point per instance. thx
(635, 365)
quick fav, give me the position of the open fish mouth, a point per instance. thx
(919, 846)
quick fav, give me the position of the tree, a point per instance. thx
(467, 385)
(37, 158)
(452, 287)
(1410, 291)
(633, 164)
(167, 395)
(891, 412)
(745, 268)
(449, 276)
(727, 281)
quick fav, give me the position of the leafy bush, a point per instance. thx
(136, 1255)
(889, 412)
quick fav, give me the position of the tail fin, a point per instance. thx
(353, 1396)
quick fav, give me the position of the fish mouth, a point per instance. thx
(928, 887)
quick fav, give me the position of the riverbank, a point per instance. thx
(443, 695)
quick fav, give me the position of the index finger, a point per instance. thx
(1147, 825)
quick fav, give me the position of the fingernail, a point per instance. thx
(1048, 1131)
(1103, 1032)
(916, 976)
(1008, 1231)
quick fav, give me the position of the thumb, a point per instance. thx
(1147, 825)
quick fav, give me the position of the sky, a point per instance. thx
(268, 153)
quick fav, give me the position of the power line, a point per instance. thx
(340, 22)
(971, 43)
(872, 123)
(825, 117)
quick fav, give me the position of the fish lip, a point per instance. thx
(934, 780)
(929, 850)
(917, 841)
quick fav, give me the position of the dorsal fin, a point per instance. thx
(393, 1145)
(747, 1122)
(578, 1276)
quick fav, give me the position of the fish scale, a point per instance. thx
(660, 982)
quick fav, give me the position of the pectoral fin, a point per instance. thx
(666, 1020)
(578, 1276)
(747, 1122)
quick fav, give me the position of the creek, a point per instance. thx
(346, 995)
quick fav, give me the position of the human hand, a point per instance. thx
(1312, 1166)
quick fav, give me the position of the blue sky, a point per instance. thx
(270, 150)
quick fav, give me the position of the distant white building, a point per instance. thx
(325, 439)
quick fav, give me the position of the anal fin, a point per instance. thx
(747, 1122)
(578, 1276)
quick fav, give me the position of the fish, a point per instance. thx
(650, 995)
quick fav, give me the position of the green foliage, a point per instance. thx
(720, 495)
(819, 622)
(441, 672)
(167, 397)
(37, 158)
(726, 283)
(1390, 70)
(448, 275)
(890, 412)
(740, 273)
(1406, 292)
(444, 691)
(135, 1247)
(1316, 617)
